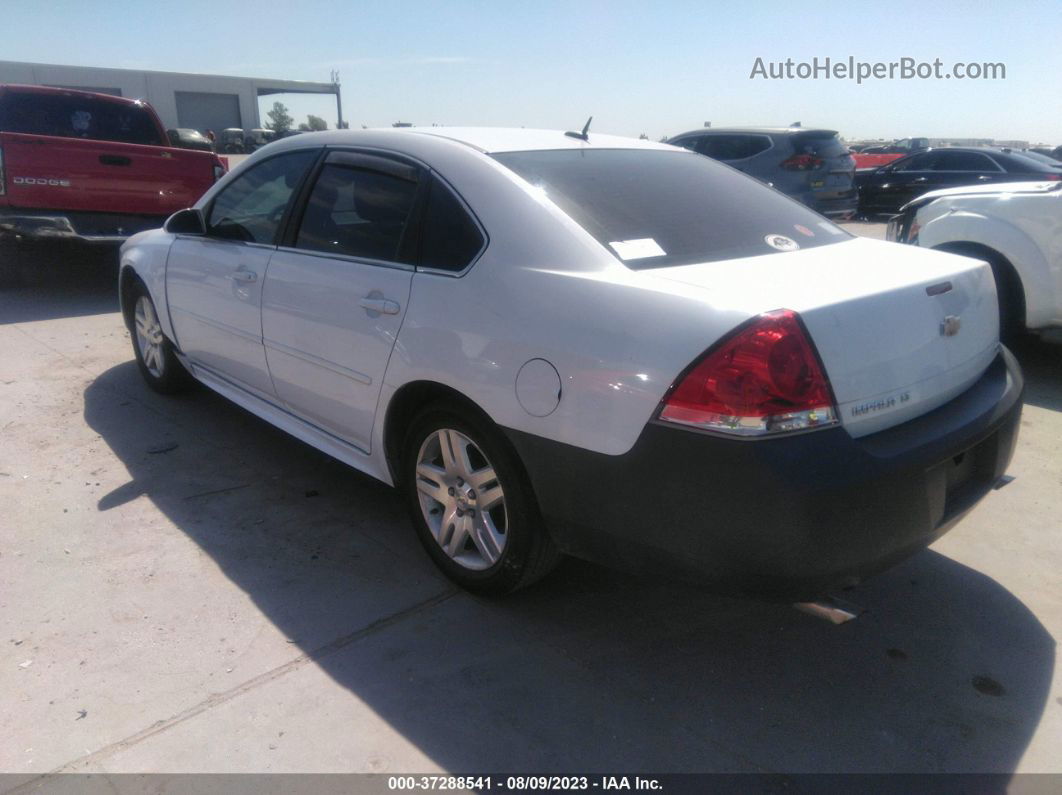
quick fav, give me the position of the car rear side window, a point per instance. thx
(820, 144)
(656, 208)
(963, 161)
(251, 207)
(733, 147)
(76, 116)
(357, 212)
(450, 239)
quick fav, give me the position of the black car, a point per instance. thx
(885, 190)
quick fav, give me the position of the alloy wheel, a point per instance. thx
(461, 499)
(149, 337)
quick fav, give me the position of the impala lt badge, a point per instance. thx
(950, 326)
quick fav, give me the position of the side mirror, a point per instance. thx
(185, 222)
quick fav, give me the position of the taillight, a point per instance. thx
(3, 176)
(802, 163)
(764, 378)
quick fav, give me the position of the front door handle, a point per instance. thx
(920, 179)
(382, 305)
(244, 276)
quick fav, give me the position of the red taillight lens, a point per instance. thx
(765, 378)
(1053, 177)
(802, 163)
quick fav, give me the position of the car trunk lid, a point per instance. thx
(900, 330)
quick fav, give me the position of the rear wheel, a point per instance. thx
(471, 503)
(155, 355)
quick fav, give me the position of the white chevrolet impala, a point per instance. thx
(556, 343)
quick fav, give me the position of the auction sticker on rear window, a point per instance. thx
(781, 242)
(637, 249)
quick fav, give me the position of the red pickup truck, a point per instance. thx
(89, 168)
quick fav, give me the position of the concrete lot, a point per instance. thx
(184, 588)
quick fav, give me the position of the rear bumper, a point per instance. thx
(788, 518)
(839, 205)
(29, 226)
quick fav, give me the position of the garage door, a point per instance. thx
(202, 111)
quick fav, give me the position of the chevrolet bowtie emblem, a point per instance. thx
(950, 326)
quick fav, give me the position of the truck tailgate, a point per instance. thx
(74, 174)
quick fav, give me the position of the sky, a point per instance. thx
(636, 67)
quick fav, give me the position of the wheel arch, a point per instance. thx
(407, 401)
(1014, 287)
(991, 236)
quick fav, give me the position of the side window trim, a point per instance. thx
(435, 176)
(365, 161)
(278, 236)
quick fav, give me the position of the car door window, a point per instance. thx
(717, 147)
(358, 211)
(963, 161)
(687, 143)
(450, 238)
(917, 163)
(733, 147)
(251, 207)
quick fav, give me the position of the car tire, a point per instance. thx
(474, 510)
(156, 357)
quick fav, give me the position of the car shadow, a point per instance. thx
(589, 670)
(1041, 362)
(72, 286)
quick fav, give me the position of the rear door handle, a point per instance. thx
(244, 276)
(382, 305)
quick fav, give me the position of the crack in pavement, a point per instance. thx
(217, 699)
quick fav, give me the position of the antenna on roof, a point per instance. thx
(582, 136)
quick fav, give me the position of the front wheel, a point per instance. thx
(155, 355)
(472, 505)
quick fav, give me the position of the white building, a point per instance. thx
(201, 102)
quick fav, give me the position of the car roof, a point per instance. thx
(489, 139)
(505, 139)
(760, 130)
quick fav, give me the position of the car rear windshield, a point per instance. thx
(74, 116)
(821, 144)
(656, 208)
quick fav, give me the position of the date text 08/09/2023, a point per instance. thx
(522, 783)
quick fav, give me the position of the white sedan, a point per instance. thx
(557, 343)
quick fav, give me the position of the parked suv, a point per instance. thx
(87, 169)
(812, 166)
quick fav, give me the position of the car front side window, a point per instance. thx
(251, 207)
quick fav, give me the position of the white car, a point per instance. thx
(619, 350)
(1016, 228)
